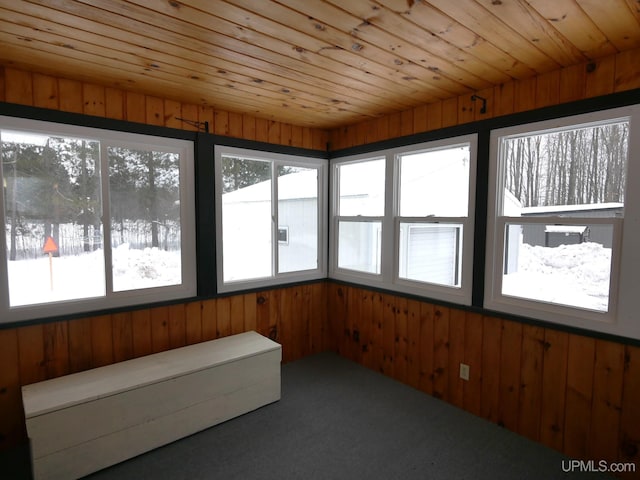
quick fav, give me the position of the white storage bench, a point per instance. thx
(83, 422)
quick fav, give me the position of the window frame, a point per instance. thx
(619, 317)
(276, 159)
(389, 277)
(112, 299)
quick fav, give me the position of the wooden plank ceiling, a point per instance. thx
(318, 63)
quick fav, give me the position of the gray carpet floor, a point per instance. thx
(339, 420)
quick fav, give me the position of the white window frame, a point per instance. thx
(186, 289)
(276, 278)
(621, 317)
(389, 277)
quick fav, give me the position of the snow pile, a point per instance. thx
(575, 275)
(150, 267)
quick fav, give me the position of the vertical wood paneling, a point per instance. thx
(388, 333)
(400, 339)
(209, 326)
(426, 348)
(12, 423)
(56, 348)
(206, 114)
(93, 98)
(630, 415)
(141, 332)
(160, 329)
(530, 398)
(554, 380)
(193, 322)
(547, 89)
(600, 78)
(510, 353)
(472, 401)
(581, 357)
(190, 112)
(122, 336)
(572, 83)
(413, 343)
(154, 111)
(627, 72)
(177, 326)
(607, 400)
(488, 95)
(441, 352)
(31, 354)
(450, 112)
(377, 331)
(18, 86)
(491, 372)
(101, 341)
(135, 107)
(503, 99)
(223, 317)
(524, 95)
(80, 355)
(236, 308)
(250, 320)
(114, 103)
(457, 326)
(45, 91)
(466, 109)
(70, 95)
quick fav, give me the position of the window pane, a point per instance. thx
(561, 264)
(246, 219)
(144, 189)
(545, 173)
(362, 188)
(435, 183)
(359, 246)
(431, 253)
(297, 218)
(52, 211)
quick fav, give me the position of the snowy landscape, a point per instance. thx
(82, 276)
(575, 275)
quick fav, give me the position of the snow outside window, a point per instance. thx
(403, 218)
(92, 219)
(561, 195)
(269, 218)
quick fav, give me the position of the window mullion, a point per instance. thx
(105, 217)
(274, 220)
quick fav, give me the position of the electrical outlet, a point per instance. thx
(464, 371)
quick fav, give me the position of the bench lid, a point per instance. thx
(66, 391)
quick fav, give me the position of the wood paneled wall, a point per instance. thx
(34, 89)
(600, 77)
(576, 394)
(295, 317)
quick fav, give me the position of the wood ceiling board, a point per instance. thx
(440, 25)
(161, 63)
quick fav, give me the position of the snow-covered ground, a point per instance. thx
(82, 276)
(575, 275)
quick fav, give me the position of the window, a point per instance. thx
(270, 218)
(560, 195)
(403, 218)
(360, 212)
(93, 219)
